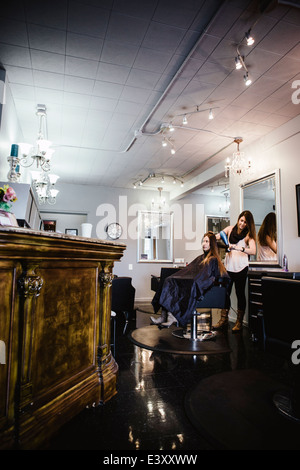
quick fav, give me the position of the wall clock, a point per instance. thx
(114, 230)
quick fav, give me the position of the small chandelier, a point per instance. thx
(239, 163)
(40, 153)
(43, 184)
(160, 204)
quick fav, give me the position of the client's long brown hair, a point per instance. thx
(214, 251)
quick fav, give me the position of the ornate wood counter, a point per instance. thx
(55, 354)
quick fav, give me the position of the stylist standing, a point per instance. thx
(242, 244)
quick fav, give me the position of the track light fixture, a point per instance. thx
(166, 142)
(162, 178)
(247, 79)
(238, 62)
(210, 113)
(239, 59)
(249, 38)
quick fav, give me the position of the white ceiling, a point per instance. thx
(111, 72)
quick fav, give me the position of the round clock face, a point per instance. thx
(114, 231)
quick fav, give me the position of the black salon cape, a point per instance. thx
(180, 291)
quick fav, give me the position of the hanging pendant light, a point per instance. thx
(238, 163)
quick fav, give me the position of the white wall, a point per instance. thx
(104, 205)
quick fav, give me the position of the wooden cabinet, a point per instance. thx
(55, 325)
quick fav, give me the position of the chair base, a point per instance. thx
(204, 333)
(283, 403)
(200, 335)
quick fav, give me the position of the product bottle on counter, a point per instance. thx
(285, 263)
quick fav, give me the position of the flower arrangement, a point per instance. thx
(7, 196)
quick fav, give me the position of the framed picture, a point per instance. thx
(298, 206)
(71, 231)
(49, 225)
(8, 219)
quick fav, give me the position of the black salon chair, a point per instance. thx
(122, 301)
(157, 281)
(215, 297)
(281, 321)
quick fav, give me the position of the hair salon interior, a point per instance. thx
(119, 114)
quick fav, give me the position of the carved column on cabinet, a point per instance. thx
(30, 284)
(106, 364)
(105, 281)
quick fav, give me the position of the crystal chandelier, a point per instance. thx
(160, 204)
(40, 153)
(238, 164)
(43, 184)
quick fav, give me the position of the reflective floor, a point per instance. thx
(148, 411)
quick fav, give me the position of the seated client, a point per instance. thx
(179, 293)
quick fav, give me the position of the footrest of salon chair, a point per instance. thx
(201, 335)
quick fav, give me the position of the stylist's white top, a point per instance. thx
(236, 261)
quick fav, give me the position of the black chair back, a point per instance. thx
(216, 296)
(123, 294)
(281, 314)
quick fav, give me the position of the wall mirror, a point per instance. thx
(155, 237)
(262, 198)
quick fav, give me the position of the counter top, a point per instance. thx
(43, 233)
(37, 244)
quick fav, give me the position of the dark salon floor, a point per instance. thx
(148, 412)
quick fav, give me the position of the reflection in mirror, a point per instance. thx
(155, 237)
(216, 223)
(261, 197)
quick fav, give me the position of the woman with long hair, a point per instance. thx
(267, 239)
(178, 295)
(241, 244)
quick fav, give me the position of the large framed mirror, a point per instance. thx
(262, 197)
(155, 237)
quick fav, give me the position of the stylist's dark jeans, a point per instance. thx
(239, 280)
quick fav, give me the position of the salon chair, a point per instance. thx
(122, 302)
(157, 281)
(215, 297)
(281, 327)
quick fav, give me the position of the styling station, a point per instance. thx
(55, 331)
